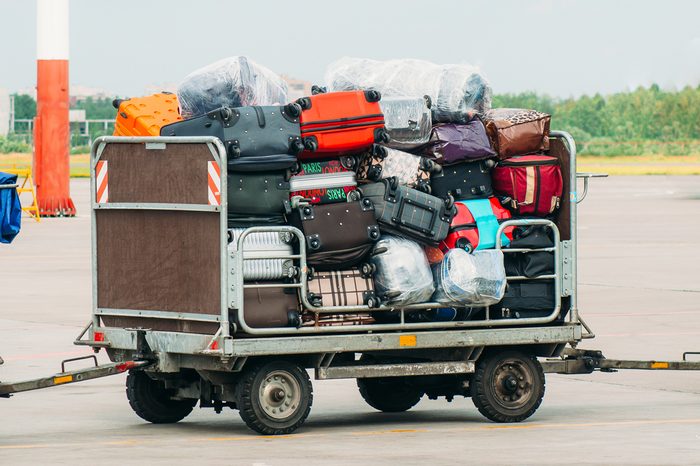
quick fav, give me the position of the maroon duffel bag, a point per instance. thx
(533, 182)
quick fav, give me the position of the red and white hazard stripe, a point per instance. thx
(214, 183)
(101, 182)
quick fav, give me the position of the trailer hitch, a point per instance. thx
(580, 361)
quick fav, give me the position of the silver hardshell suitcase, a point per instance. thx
(263, 243)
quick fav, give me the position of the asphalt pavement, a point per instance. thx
(639, 286)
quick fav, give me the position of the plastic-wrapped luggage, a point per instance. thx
(145, 116)
(517, 131)
(475, 225)
(263, 243)
(256, 138)
(464, 180)
(402, 274)
(338, 236)
(408, 121)
(410, 170)
(230, 82)
(409, 212)
(451, 143)
(464, 279)
(533, 183)
(342, 288)
(456, 91)
(341, 123)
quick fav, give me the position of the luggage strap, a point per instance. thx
(486, 223)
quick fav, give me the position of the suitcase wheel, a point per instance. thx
(463, 243)
(375, 172)
(354, 196)
(314, 243)
(489, 163)
(296, 147)
(293, 319)
(318, 90)
(315, 300)
(293, 110)
(373, 232)
(349, 162)
(368, 270)
(234, 151)
(373, 96)
(373, 302)
(393, 183)
(311, 144)
(378, 151)
(449, 202)
(381, 135)
(296, 168)
(225, 113)
(293, 272)
(424, 186)
(428, 101)
(304, 103)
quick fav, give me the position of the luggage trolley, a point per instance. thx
(174, 317)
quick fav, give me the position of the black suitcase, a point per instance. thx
(410, 213)
(256, 198)
(530, 264)
(338, 236)
(464, 181)
(256, 138)
(525, 299)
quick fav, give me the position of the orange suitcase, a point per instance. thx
(144, 116)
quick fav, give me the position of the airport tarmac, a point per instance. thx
(639, 289)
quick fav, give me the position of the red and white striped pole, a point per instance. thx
(52, 127)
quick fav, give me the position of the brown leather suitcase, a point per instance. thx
(338, 236)
(271, 307)
(342, 288)
(517, 131)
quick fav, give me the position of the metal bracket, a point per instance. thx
(567, 268)
(586, 177)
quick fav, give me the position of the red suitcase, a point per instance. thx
(341, 123)
(532, 182)
(464, 229)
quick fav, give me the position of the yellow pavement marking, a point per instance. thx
(335, 433)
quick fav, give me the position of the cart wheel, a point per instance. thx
(274, 398)
(508, 386)
(389, 394)
(152, 402)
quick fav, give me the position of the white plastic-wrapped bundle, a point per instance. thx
(408, 121)
(456, 90)
(464, 279)
(230, 82)
(403, 274)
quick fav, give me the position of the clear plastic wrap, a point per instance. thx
(403, 274)
(408, 121)
(230, 82)
(463, 279)
(457, 91)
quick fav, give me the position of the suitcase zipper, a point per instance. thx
(516, 163)
(337, 127)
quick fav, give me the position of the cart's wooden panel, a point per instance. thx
(176, 174)
(163, 325)
(557, 148)
(158, 260)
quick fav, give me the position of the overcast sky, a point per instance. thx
(565, 47)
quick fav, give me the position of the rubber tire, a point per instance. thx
(483, 397)
(389, 394)
(151, 401)
(249, 406)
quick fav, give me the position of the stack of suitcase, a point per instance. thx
(380, 194)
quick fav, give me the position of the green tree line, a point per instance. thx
(643, 121)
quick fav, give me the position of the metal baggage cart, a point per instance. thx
(169, 308)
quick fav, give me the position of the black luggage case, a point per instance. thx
(530, 264)
(338, 236)
(526, 299)
(256, 138)
(464, 181)
(410, 213)
(257, 198)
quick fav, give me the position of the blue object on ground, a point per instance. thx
(10, 209)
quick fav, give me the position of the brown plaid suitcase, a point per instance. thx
(342, 288)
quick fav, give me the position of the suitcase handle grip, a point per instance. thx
(410, 203)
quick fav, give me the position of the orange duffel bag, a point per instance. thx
(144, 116)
